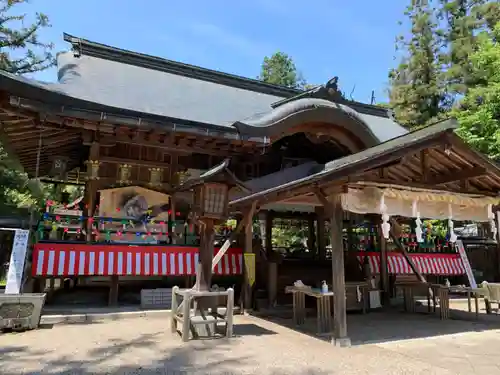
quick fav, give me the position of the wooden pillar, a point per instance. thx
(384, 272)
(206, 254)
(174, 161)
(311, 237)
(91, 191)
(340, 337)
(497, 222)
(113, 291)
(272, 266)
(320, 237)
(248, 248)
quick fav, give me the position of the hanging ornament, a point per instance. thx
(155, 177)
(124, 174)
(493, 226)
(453, 236)
(386, 227)
(418, 222)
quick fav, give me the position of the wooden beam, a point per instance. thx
(137, 163)
(168, 146)
(320, 194)
(417, 185)
(424, 165)
(462, 175)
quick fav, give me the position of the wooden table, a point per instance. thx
(471, 292)
(439, 292)
(324, 304)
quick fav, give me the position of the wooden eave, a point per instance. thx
(22, 135)
(66, 134)
(438, 160)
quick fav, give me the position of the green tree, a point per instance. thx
(416, 91)
(479, 111)
(463, 20)
(279, 69)
(21, 51)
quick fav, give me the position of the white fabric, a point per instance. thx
(431, 205)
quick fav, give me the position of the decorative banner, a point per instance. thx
(465, 261)
(250, 267)
(17, 260)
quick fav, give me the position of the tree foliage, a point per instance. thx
(416, 93)
(279, 69)
(463, 21)
(21, 50)
(479, 111)
(437, 70)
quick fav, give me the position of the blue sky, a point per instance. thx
(351, 39)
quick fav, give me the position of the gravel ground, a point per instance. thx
(145, 346)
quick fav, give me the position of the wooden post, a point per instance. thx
(384, 272)
(174, 160)
(272, 282)
(320, 237)
(113, 291)
(497, 222)
(206, 254)
(338, 274)
(91, 192)
(269, 234)
(229, 313)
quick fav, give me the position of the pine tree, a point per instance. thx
(279, 69)
(463, 20)
(31, 54)
(416, 92)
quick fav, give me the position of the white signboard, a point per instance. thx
(465, 262)
(17, 260)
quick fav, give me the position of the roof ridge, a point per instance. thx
(86, 47)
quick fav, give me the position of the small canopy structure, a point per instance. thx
(433, 159)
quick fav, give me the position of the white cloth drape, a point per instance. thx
(431, 205)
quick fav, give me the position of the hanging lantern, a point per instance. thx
(92, 169)
(210, 200)
(155, 176)
(124, 174)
